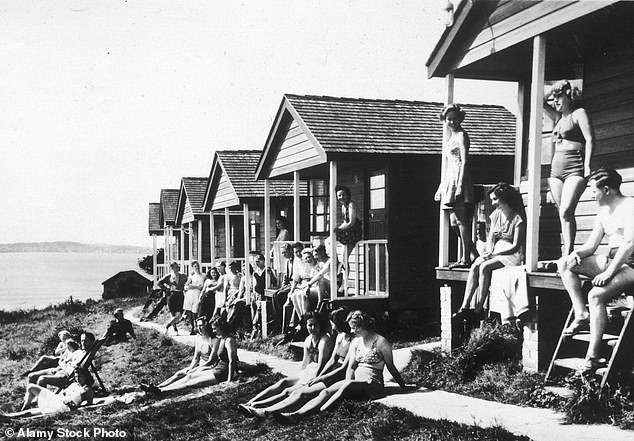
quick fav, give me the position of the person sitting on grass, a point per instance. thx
(612, 274)
(318, 348)
(51, 361)
(119, 329)
(369, 354)
(57, 375)
(203, 354)
(221, 365)
(49, 402)
(333, 371)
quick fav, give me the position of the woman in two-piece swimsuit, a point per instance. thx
(318, 348)
(333, 371)
(505, 247)
(573, 142)
(368, 355)
(455, 192)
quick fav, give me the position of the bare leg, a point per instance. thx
(34, 376)
(194, 379)
(597, 299)
(45, 362)
(276, 398)
(177, 376)
(464, 219)
(484, 282)
(349, 386)
(590, 266)
(453, 223)
(274, 389)
(301, 395)
(315, 404)
(472, 283)
(175, 318)
(571, 191)
(32, 392)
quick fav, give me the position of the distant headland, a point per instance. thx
(70, 247)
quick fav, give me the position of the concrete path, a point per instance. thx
(537, 424)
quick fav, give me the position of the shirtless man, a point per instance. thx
(612, 274)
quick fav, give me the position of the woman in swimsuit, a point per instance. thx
(573, 143)
(333, 371)
(221, 365)
(318, 348)
(350, 231)
(455, 192)
(505, 246)
(369, 354)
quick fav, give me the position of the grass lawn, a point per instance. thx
(152, 357)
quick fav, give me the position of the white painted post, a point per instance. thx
(443, 233)
(332, 224)
(519, 131)
(154, 275)
(296, 202)
(535, 151)
(190, 241)
(212, 238)
(199, 242)
(247, 248)
(267, 232)
(227, 236)
(182, 246)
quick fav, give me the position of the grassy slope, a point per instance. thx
(152, 357)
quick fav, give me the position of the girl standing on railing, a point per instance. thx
(350, 231)
(455, 192)
(505, 247)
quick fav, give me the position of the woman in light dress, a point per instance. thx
(193, 288)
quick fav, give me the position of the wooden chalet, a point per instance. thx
(130, 283)
(154, 229)
(193, 222)
(533, 43)
(239, 221)
(388, 153)
(171, 232)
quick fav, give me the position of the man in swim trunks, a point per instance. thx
(612, 274)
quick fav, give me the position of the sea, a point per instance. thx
(37, 280)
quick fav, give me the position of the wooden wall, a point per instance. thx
(296, 152)
(225, 195)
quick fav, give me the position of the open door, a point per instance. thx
(375, 252)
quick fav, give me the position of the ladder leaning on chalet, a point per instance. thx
(618, 342)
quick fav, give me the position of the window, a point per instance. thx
(254, 234)
(377, 191)
(319, 210)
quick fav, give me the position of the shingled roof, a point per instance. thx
(195, 191)
(355, 125)
(239, 168)
(154, 222)
(169, 203)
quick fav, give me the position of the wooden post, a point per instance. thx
(332, 224)
(296, 202)
(166, 238)
(227, 236)
(190, 241)
(212, 238)
(154, 275)
(247, 248)
(443, 233)
(267, 233)
(519, 133)
(535, 151)
(182, 246)
(199, 242)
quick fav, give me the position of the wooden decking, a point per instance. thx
(535, 279)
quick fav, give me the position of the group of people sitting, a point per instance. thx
(611, 274)
(303, 286)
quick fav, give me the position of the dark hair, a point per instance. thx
(283, 221)
(452, 108)
(259, 256)
(213, 268)
(206, 324)
(509, 195)
(287, 247)
(220, 323)
(606, 177)
(86, 374)
(564, 87)
(343, 188)
(221, 263)
(363, 319)
(319, 249)
(338, 317)
(312, 315)
(298, 245)
(89, 336)
(173, 264)
(234, 265)
(72, 344)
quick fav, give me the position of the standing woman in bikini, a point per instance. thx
(573, 138)
(455, 192)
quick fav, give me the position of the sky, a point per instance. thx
(102, 104)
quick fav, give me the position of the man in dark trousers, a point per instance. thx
(119, 329)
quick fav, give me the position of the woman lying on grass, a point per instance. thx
(318, 348)
(220, 366)
(50, 402)
(333, 371)
(369, 353)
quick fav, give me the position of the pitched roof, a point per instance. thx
(169, 202)
(356, 125)
(138, 275)
(154, 223)
(239, 165)
(195, 191)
